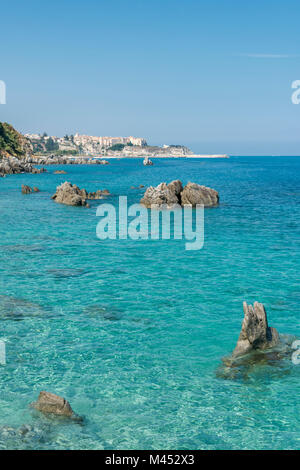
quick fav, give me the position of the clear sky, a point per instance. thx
(215, 75)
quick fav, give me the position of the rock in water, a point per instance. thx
(174, 193)
(16, 309)
(255, 333)
(53, 404)
(98, 194)
(26, 189)
(70, 195)
(176, 188)
(159, 195)
(195, 194)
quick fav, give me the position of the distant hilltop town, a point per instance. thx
(86, 145)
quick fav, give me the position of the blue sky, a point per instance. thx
(214, 75)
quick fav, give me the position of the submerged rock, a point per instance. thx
(173, 194)
(66, 273)
(255, 333)
(16, 436)
(60, 172)
(275, 362)
(107, 313)
(15, 309)
(49, 403)
(72, 195)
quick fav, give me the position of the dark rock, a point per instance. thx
(107, 313)
(66, 273)
(15, 309)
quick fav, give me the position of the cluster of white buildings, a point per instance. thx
(85, 144)
(92, 144)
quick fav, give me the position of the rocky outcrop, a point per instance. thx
(50, 403)
(160, 195)
(28, 190)
(12, 165)
(98, 194)
(255, 333)
(63, 160)
(173, 193)
(195, 194)
(72, 195)
(12, 143)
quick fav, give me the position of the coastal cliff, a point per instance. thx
(15, 151)
(12, 143)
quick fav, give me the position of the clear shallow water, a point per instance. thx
(143, 370)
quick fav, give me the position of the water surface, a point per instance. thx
(132, 332)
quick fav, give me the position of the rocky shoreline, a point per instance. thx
(13, 166)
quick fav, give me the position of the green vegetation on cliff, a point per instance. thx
(12, 143)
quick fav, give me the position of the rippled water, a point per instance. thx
(132, 332)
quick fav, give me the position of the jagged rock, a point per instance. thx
(174, 193)
(255, 333)
(176, 187)
(36, 190)
(70, 195)
(98, 194)
(50, 403)
(13, 165)
(26, 189)
(159, 195)
(194, 194)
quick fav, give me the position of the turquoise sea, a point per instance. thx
(132, 332)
